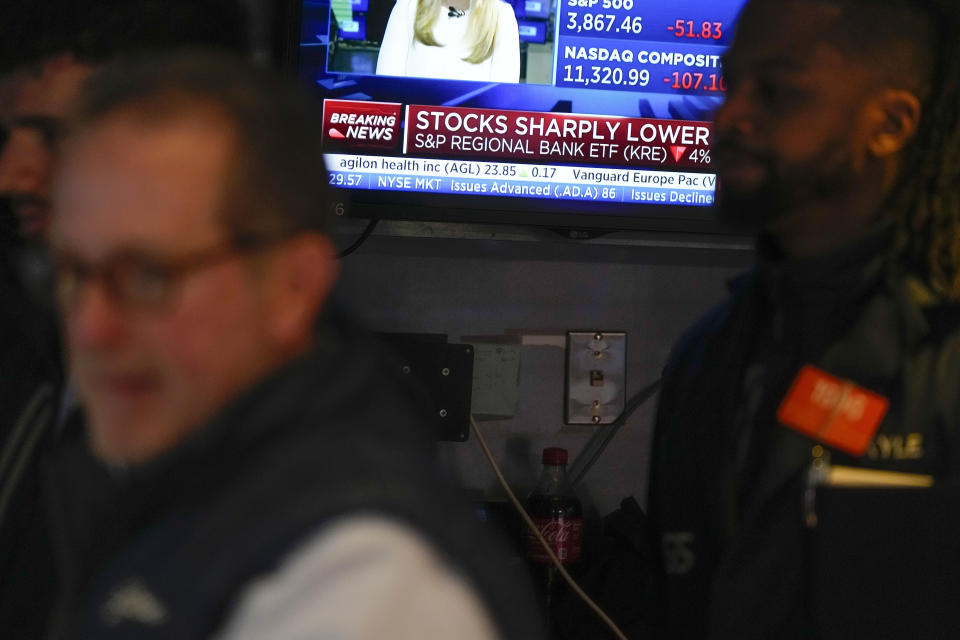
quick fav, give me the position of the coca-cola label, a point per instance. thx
(564, 535)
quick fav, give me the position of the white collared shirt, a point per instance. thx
(360, 578)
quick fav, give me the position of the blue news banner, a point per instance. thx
(523, 181)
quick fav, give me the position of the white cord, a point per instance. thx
(546, 545)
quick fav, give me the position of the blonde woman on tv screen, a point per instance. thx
(451, 39)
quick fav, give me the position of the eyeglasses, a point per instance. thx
(136, 279)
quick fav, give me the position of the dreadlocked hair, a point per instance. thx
(926, 203)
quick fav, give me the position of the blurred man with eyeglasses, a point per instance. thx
(270, 474)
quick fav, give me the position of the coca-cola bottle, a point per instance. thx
(557, 513)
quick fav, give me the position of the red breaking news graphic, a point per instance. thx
(358, 125)
(518, 136)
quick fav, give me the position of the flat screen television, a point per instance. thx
(602, 121)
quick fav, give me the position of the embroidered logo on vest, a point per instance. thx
(133, 602)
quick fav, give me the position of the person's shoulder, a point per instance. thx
(940, 316)
(932, 326)
(506, 10)
(406, 8)
(944, 321)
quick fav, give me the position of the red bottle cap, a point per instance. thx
(555, 456)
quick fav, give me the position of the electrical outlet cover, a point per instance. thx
(595, 389)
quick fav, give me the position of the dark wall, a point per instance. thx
(475, 281)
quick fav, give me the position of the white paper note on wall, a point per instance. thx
(496, 379)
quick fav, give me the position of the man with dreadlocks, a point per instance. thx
(839, 141)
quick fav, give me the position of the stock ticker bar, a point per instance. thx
(430, 175)
(637, 45)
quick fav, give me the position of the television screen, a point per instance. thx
(583, 113)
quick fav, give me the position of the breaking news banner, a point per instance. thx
(520, 136)
(431, 149)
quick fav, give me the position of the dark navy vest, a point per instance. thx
(165, 550)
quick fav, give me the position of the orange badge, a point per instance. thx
(832, 410)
